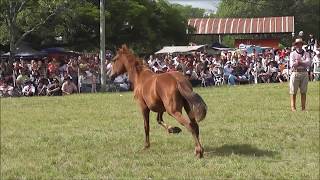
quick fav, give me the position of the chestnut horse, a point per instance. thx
(165, 92)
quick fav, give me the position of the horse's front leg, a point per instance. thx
(145, 113)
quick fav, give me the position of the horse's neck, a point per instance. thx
(137, 75)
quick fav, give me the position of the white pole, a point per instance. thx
(102, 44)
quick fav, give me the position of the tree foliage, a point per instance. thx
(20, 18)
(144, 25)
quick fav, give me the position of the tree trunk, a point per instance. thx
(12, 41)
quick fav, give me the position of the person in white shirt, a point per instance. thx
(156, 68)
(299, 63)
(316, 65)
(28, 89)
(6, 90)
(122, 81)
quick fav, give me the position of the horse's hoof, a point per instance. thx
(146, 147)
(199, 153)
(174, 130)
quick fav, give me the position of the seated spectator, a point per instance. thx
(122, 82)
(5, 90)
(28, 89)
(227, 70)
(42, 87)
(42, 69)
(206, 78)
(53, 68)
(54, 89)
(171, 67)
(151, 61)
(240, 72)
(165, 68)
(258, 70)
(22, 78)
(232, 79)
(272, 72)
(68, 87)
(156, 68)
(282, 73)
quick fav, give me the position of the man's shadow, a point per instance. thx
(238, 149)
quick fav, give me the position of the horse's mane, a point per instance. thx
(137, 62)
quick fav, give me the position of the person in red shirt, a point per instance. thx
(52, 67)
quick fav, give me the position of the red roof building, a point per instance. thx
(242, 26)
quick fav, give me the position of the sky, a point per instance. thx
(209, 5)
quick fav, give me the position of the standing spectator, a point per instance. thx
(94, 82)
(68, 87)
(299, 62)
(316, 66)
(311, 42)
(42, 69)
(72, 69)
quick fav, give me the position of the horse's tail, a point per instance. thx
(197, 106)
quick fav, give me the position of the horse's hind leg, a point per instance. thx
(193, 127)
(169, 128)
(160, 120)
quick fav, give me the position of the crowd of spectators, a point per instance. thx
(49, 76)
(230, 67)
(68, 75)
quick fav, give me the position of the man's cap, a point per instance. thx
(298, 40)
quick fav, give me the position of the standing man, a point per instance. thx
(299, 62)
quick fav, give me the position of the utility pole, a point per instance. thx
(102, 45)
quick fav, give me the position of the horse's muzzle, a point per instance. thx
(112, 76)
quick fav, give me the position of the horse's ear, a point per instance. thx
(124, 47)
(120, 50)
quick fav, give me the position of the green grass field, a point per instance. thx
(249, 133)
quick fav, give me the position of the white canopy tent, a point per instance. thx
(178, 49)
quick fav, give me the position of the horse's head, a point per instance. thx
(118, 62)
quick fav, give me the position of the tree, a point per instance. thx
(189, 11)
(22, 17)
(144, 25)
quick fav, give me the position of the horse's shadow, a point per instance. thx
(238, 149)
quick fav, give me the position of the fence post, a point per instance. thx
(102, 45)
(79, 80)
